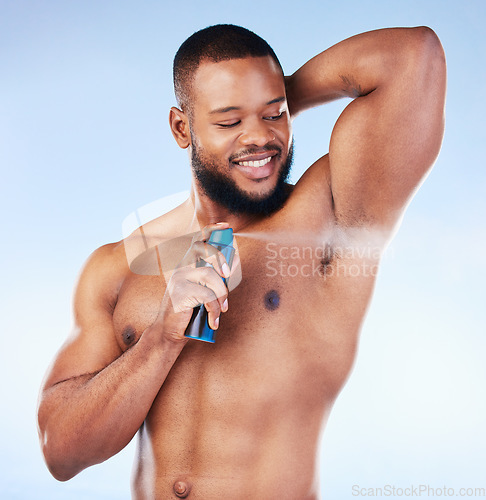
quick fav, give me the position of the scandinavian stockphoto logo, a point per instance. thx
(350, 253)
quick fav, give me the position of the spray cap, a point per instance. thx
(222, 237)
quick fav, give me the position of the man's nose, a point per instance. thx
(257, 133)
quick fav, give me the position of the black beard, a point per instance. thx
(224, 191)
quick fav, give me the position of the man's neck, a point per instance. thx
(207, 211)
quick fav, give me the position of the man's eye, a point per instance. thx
(274, 117)
(228, 125)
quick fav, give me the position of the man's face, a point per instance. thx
(241, 134)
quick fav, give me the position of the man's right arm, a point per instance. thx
(95, 397)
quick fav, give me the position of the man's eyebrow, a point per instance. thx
(237, 108)
(274, 101)
(224, 110)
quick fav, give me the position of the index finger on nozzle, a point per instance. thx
(206, 252)
(207, 230)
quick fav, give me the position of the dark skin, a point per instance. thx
(241, 418)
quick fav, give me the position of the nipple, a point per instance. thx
(182, 489)
(128, 335)
(272, 300)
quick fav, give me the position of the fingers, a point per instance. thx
(212, 256)
(198, 279)
(214, 311)
(213, 293)
(201, 251)
(190, 287)
(207, 230)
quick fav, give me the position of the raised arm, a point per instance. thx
(388, 137)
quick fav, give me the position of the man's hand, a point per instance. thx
(192, 285)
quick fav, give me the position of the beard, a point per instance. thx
(223, 190)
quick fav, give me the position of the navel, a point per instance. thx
(181, 489)
(272, 300)
(129, 335)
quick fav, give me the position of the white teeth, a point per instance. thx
(259, 163)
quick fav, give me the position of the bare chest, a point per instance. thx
(270, 285)
(284, 299)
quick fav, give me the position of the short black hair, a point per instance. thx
(215, 43)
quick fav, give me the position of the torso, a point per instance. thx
(241, 418)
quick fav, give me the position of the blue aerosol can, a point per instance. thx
(198, 327)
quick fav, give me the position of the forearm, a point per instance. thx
(356, 66)
(86, 420)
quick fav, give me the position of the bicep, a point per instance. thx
(92, 345)
(384, 143)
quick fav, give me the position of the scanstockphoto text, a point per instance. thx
(421, 490)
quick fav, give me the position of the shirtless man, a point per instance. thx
(241, 418)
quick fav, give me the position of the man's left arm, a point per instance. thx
(388, 137)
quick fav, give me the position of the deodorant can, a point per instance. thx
(198, 327)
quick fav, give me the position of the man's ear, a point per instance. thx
(179, 125)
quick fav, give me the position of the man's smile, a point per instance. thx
(255, 163)
(257, 168)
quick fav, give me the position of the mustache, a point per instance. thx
(268, 148)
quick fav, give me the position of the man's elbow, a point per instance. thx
(61, 459)
(58, 461)
(428, 52)
(60, 472)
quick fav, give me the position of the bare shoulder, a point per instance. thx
(91, 344)
(140, 246)
(103, 274)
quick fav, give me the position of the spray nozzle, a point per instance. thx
(221, 237)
